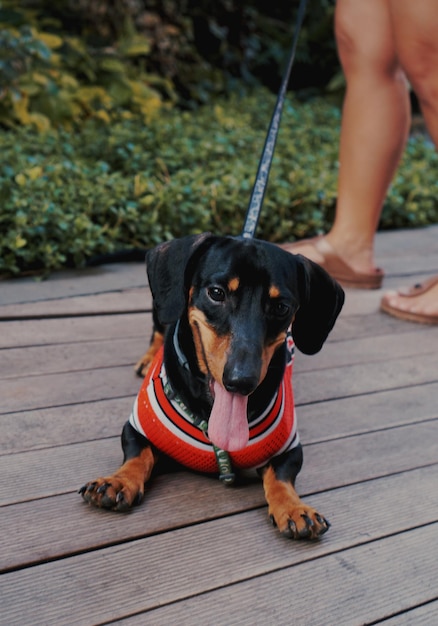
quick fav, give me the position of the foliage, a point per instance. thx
(66, 61)
(50, 77)
(67, 196)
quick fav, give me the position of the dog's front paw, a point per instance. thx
(298, 521)
(113, 492)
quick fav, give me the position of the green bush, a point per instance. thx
(51, 77)
(64, 62)
(67, 196)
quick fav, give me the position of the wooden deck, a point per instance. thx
(196, 552)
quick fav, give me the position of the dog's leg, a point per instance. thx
(157, 340)
(125, 487)
(293, 517)
(142, 366)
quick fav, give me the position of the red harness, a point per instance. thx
(169, 425)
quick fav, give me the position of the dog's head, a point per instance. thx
(240, 297)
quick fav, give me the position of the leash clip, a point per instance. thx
(226, 474)
(223, 460)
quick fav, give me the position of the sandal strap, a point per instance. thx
(418, 288)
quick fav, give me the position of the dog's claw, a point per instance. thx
(305, 533)
(138, 498)
(291, 531)
(307, 530)
(324, 524)
(121, 504)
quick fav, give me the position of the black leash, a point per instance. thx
(261, 181)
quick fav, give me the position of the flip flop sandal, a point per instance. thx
(335, 266)
(411, 294)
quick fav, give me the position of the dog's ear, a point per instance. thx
(321, 300)
(166, 269)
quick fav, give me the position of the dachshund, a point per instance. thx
(217, 395)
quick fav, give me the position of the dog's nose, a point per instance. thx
(240, 384)
(242, 369)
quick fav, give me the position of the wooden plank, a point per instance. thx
(27, 430)
(420, 340)
(65, 388)
(373, 412)
(66, 525)
(45, 428)
(357, 587)
(127, 300)
(63, 357)
(47, 472)
(63, 525)
(159, 570)
(364, 378)
(41, 473)
(398, 251)
(40, 359)
(370, 326)
(46, 331)
(407, 242)
(73, 329)
(71, 283)
(344, 461)
(425, 615)
(70, 357)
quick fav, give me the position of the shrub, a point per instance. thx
(68, 196)
(66, 61)
(51, 77)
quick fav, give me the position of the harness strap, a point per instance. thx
(225, 467)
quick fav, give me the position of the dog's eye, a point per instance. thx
(280, 309)
(216, 294)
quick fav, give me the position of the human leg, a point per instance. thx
(375, 125)
(415, 26)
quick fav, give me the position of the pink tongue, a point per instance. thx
(228, 423)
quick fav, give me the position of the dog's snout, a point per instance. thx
(238, 378)
(235, 381)
(241, 373)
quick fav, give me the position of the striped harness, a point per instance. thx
(172, 428)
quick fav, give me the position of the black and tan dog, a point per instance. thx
(218, 395)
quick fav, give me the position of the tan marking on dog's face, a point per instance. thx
(233, 284)
(274, 292)
(211, 350)
(268, 353)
